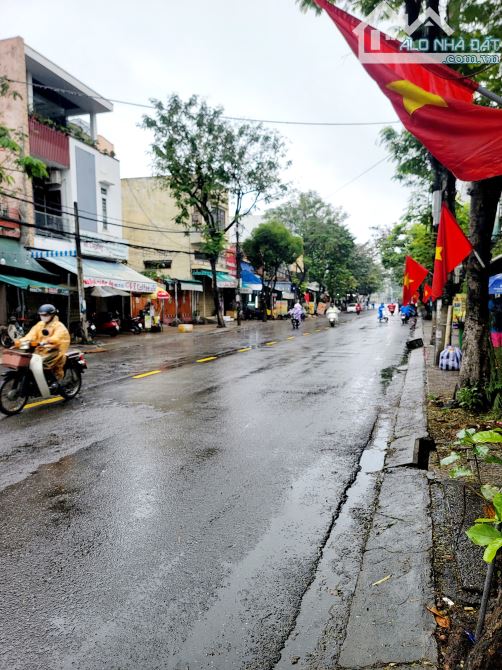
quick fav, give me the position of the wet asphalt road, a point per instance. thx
(178, 519)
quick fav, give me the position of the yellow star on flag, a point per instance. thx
(407, 280)
(439, 252)
(415, 97)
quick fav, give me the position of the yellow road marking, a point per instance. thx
(305, 334)
(291, 337)
(241, 351)
(205, 360)
(317, 330)
(146, 374)
(47, 401)
(270, 344)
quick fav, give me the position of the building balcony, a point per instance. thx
(51, 224)
(9, 217)
(49, 145)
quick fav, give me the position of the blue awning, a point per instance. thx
(495, 284)
(250, 280)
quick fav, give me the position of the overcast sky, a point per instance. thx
(261, 59)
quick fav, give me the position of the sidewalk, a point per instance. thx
(366, 607)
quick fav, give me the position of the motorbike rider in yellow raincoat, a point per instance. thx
(51, 339)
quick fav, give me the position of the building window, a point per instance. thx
(158, 265)
(219, 217)
(199, 256)
(104, 207)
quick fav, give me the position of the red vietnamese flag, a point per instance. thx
(427, 294)
(452, 246)
(414, 274)
(432, 101)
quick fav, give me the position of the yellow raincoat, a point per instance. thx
(59, 340)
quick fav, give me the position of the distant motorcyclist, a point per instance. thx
(296, 313)
(332, 309)
(51, 339)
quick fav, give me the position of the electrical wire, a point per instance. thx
(69, 212)
(372, 167)
(228, 118)
(87, 238)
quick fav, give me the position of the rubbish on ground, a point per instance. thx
(294, 660)
(381, 581)
(448, 602)
(470, 636)
(469, 609)
(441, 620)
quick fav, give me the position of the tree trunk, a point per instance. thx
(217, 307)
(485, 196)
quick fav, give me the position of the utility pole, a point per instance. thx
(82, 308)
(238, 255)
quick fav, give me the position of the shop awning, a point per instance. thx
(250, 280)
(113, 275)
(34, 286)
(283, 286)
(223, 280)
(495, 284)
(191, 285)
(107, 292)
(14, 255)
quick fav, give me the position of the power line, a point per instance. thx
(385, 158)
(86, 238)
(228, 118)
(68, 212)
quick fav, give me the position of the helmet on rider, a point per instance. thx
(47, 312)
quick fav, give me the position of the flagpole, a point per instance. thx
(489, 94)
(479, 259)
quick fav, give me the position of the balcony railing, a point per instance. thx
(51, 224)
(9, 216)
(48, 144)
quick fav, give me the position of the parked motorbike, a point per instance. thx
(131, 324)
(13, 331)
(105, 324)
(27, 378)
(77, 332)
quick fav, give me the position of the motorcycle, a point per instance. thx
(77, 332)
(295, 323)
(132, 324)
(333, 319)
(13, 331)
(27, 378)
(404, 319)
(105, 324)
(383, 318)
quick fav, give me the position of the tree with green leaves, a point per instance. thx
(475, 19)
(206, 161)
(270, 247)
(326, 241)
(12, 155)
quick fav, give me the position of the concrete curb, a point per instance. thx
(410, 433)
(388, 620)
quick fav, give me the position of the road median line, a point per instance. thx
(47, 401)
(207, 359)
(146, 374)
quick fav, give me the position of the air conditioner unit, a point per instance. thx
(55, 177)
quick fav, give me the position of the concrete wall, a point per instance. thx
(14, 114)
(146, 205)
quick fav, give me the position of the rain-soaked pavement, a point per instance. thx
(177, 520)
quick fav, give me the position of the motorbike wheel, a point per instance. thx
(10, 401)
(71, 383)
(5, 340)
(332, 324)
